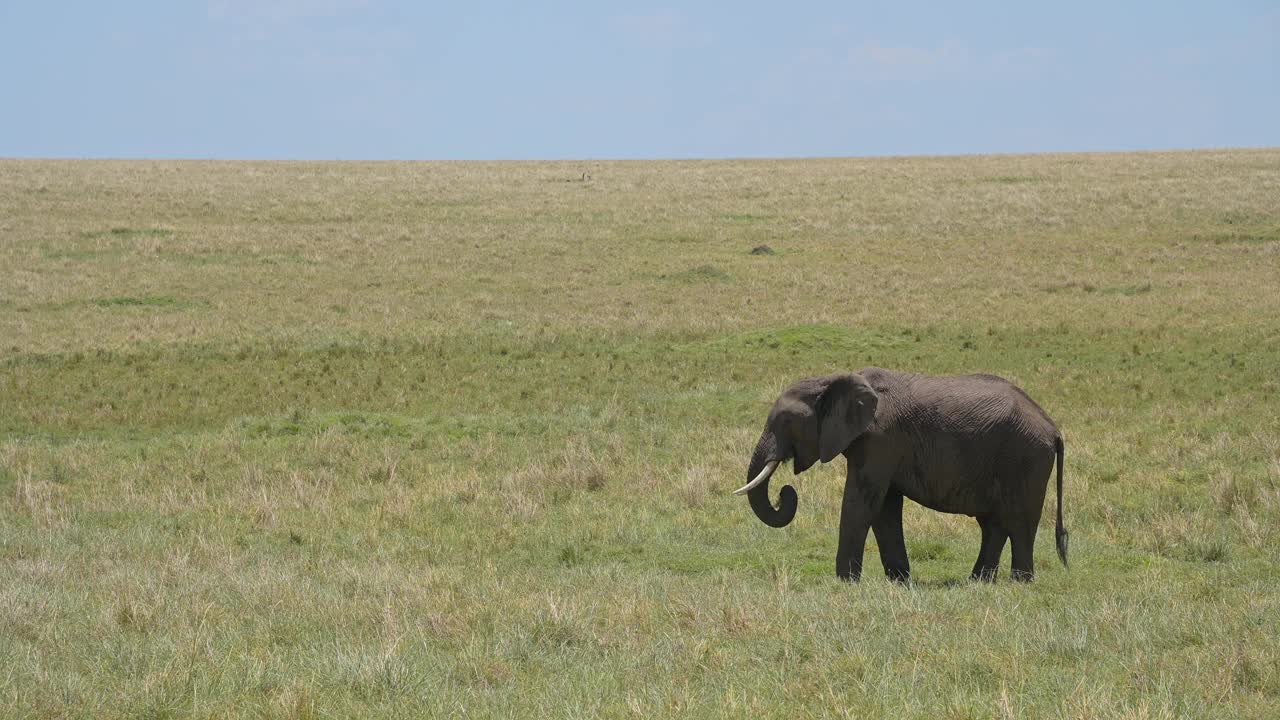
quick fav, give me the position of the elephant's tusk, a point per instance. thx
(769, 467)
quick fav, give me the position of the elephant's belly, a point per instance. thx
(946, 492)
(955, 506)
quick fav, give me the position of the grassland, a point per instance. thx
(456, 439)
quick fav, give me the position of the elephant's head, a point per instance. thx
(814, 419)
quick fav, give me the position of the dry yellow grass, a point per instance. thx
(249, 250)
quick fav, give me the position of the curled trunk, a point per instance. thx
(781, 516)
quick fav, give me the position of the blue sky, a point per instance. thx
(488, 80)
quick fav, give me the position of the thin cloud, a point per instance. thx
(905, 59)
(663, 29)
(1023, 58)
(293, 36)
(278, 11)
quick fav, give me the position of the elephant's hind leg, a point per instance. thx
(993, 540)
(1023, 540)
(893, 547)
(1022, 515)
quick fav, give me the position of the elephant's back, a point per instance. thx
(980, 405)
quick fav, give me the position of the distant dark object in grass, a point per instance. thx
(762, 250)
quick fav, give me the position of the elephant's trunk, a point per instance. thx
(766, 458)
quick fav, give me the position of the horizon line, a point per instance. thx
(613, 159)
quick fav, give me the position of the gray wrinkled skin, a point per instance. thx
(969, 444)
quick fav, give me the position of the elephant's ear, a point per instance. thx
(845, 410)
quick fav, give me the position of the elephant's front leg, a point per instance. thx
(857, 511)
(888, 531)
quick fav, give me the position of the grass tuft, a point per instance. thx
(126, 233)
(701, 274)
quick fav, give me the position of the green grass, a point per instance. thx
(433, 439)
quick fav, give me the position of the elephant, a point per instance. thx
(973, 445)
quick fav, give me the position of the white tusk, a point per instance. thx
(769, 467)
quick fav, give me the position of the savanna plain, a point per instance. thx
(458, 439)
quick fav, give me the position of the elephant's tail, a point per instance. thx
(1061, 530)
